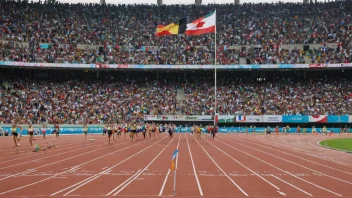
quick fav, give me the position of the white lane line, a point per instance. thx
(31, 184)
(123, 183)
(35, 154)
(61, 153)
(24, 172)
(168, 172)
(282, 170)
(194, 169)
(128, 183)
(85, 181)
(69, 158)
(294, 163)
(308, 153)
(292, 185)
(221, 169)
(300, 158)
(277, 188)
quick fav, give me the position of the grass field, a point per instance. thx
(342, 144)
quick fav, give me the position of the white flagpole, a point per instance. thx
(215, 73)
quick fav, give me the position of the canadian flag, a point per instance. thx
(318, 119)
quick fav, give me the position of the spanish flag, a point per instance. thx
(172, 160)
(173, 28)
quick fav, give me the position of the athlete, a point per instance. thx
(199, 132)
(170, 131)
(30, 133)
(105, 130)
(144, 130)
(299, 130)
(124, 130)
(133, 131)
(325, 130)
(277, 130)
(119, 131)
(57, 129)
(314, 131)
(114, 132)
(43, 130)
(14, 133)
(85, 131)
(109, 129)
(214, 131)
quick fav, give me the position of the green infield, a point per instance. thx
(341, 144)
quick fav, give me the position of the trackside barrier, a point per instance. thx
(78, 129)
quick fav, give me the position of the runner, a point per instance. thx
(114, 132)
(43, 129)
(30, 134)
(170, 131)
(133, 131)
(124, 130)
(299, 130)
(144, 131)
(214, 131)
(325, 130)
(199, 132)
(314, 131)
(109, 129)
(210, 130)
(85, 130)
(57, 129)
(105, 130)
(153, 129)
(277, 130)
(14, 133)
(119, 131)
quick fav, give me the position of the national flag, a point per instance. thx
(174, 28)
(172, 160)
(240, 118)
(204, 25)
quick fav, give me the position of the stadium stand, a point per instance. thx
(119, 34)
(128, 96)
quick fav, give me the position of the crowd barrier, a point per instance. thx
(132, 66)
(96, 129)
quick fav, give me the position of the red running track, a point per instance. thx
(232, 165)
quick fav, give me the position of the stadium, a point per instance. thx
(166, 98)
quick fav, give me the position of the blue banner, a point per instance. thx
(295, 119)
(337, 119)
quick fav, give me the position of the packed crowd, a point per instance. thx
(126, 33)
(280, 96)
(128, 99)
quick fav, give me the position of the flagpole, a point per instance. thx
(215, 73)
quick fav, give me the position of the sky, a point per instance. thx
(174, 1)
